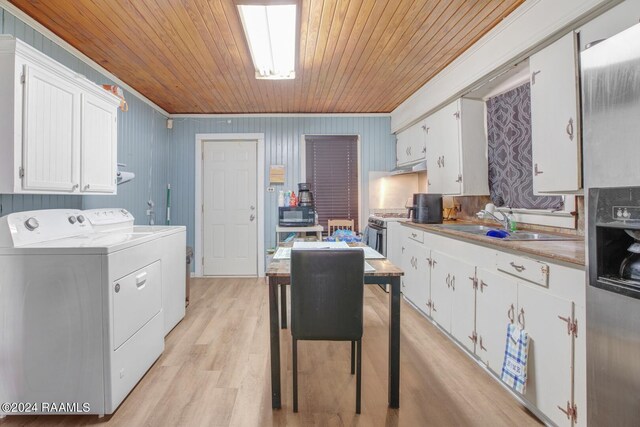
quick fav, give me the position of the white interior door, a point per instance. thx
(230, 224)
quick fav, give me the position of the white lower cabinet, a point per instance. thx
(496, 304)
(549, 372)
(461, 287)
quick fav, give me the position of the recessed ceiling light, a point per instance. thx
(271, 35)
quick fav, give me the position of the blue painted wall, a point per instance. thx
(142, 143)
(282, 139)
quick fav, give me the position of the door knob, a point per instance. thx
(252, 217)
(253, 208)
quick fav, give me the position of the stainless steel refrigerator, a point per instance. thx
(611, 155)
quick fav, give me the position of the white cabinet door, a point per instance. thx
(99, 141)
(550, 350)
(51, 132)
(411, 144)
(555, 126)
(402, 148)
(450, 148)
(496, 302)
(441, 294)
(416, 269)
(463, 309)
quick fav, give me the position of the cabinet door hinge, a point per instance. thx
(429, 261)
(571, 411)
(459, 178)
(474, 282)
(572, 325)
(457, 115)
(21, 172)
(473, 337)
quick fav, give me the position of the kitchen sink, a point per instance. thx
(482, 230)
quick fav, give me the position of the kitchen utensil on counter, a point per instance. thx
(305, 196)
(427, 208)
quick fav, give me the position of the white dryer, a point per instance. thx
(81, 311)
(171, 241)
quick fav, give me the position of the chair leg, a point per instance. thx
(359, 377)
(353, 357)
(295, 374)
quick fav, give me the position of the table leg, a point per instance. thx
(275, 343)
(394, 343)
(283, 306)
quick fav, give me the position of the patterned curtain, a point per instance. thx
(510, 165)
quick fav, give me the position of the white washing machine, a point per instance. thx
(81, 312)
(172, 242)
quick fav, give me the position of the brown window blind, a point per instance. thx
(332, 172)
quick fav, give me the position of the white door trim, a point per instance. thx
(223, 137)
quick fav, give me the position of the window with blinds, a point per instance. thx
(332, 172)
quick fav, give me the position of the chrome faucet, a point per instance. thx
(505, 221)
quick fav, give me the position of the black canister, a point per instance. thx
(427, 208)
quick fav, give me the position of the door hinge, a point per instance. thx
(21, 172)
(459, 178)
(430, 261)
(571, 411)
(457, 114)
(572, 325)
(23, 79)
(474, 282)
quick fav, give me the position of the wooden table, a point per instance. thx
(318, 229)
(279, 273)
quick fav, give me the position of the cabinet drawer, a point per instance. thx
(137, 297)
(528, 269)
(416, 235)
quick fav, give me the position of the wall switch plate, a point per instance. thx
(271, 189)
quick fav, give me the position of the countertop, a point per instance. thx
(568, 251)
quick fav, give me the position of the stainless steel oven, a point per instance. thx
(377, 235)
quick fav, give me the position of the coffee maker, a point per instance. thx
(305, 196)
(614, 240)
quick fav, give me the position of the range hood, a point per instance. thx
(410, 168)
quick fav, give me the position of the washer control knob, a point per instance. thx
(80, 219)
(72, 219)
(31, 224)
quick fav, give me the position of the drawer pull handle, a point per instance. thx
(519, 268)
(521, 318)
(453, 282)
(141, 280)
(511, 313)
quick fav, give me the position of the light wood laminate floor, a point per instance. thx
(215, 372)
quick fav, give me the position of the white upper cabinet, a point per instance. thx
(411, 144)
(50, 132)
(58, 130)
(99, 140)
(457, 149)
(555, 118)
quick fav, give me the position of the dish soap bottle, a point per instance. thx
(293, 201)
(513, 225)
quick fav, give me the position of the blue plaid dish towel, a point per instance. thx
(514, 367)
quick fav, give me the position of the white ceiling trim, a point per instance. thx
(259, 115)
(4, 4)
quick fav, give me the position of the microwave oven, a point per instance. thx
(296, 216)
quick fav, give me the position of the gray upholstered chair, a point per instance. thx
(327, 287)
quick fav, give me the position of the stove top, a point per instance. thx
(381, 219)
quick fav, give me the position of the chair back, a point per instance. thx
(327, 288)
(339, 224)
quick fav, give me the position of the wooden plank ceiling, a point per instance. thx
(190, 56)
